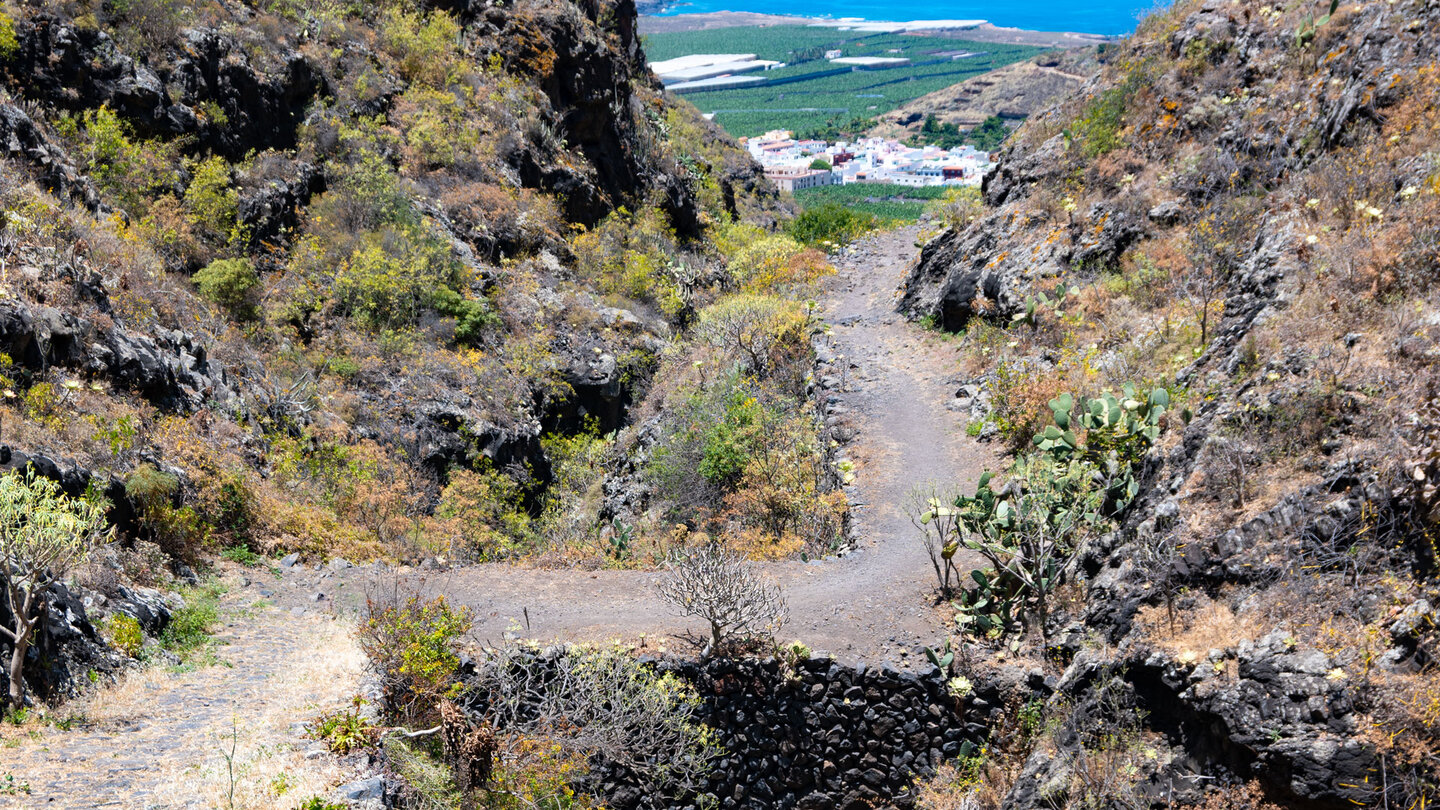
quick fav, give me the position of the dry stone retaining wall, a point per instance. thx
(820, 734)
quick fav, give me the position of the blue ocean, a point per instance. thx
(1096, 17)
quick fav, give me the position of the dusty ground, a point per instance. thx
(160, 738)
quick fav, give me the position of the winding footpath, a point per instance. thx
(872, 604)
(161, 738)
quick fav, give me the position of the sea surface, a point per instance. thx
(1094, 17)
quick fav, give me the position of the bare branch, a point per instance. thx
(721, 587)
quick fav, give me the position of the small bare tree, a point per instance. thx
(724, 589)
(43, 533)
(940, 532)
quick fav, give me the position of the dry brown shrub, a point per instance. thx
(1209, 626)
(1019, 397)
(956, 787)
(1405, 723)
(1246, 797)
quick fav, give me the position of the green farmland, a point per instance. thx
(884, 200)
(809, 104)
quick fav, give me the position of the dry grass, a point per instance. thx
(276, 671)
(981, 787)
(270, 770)
(1212, 626)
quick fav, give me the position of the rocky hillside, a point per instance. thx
(373, 281)
(1239, 215)
(1012, 92)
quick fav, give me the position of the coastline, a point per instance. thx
(651, 23)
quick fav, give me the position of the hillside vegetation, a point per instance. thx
(1199, 305)
(386, 282)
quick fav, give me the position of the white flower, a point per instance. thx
(1311, 239)
(1409, 191)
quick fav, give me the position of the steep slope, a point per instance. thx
(1241, 209)
(1013, 92)
(282, 276)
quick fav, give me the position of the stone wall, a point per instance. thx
(812, 735)
(820, 734)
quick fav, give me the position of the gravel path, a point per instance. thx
(158, 738)
(871, 604)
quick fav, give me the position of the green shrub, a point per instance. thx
(831, 223)
(190, 626)
(765, 335)
(389, 280)
(425, 45)
(769, 262)
(634, 255)
(472, 317)
(368, 193)
(150, 488)
(484, 511)
(231, 284)
(9, 44)
(413, 646)
(230, 506)
(345, 730)
(42, 403)
(241, 555)
(727, 443)
(439, 128)
(177, 530)
(133, 173)
(124, 633)
(1096, 129)
(211, 202)
(989, 134)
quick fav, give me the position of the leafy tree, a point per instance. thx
(43, 533)
(945, 136)
(989, 135)
(820, 164)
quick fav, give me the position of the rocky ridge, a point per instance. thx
(1214, 178)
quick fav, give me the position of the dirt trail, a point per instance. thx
(869, 605)
(158, 738)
